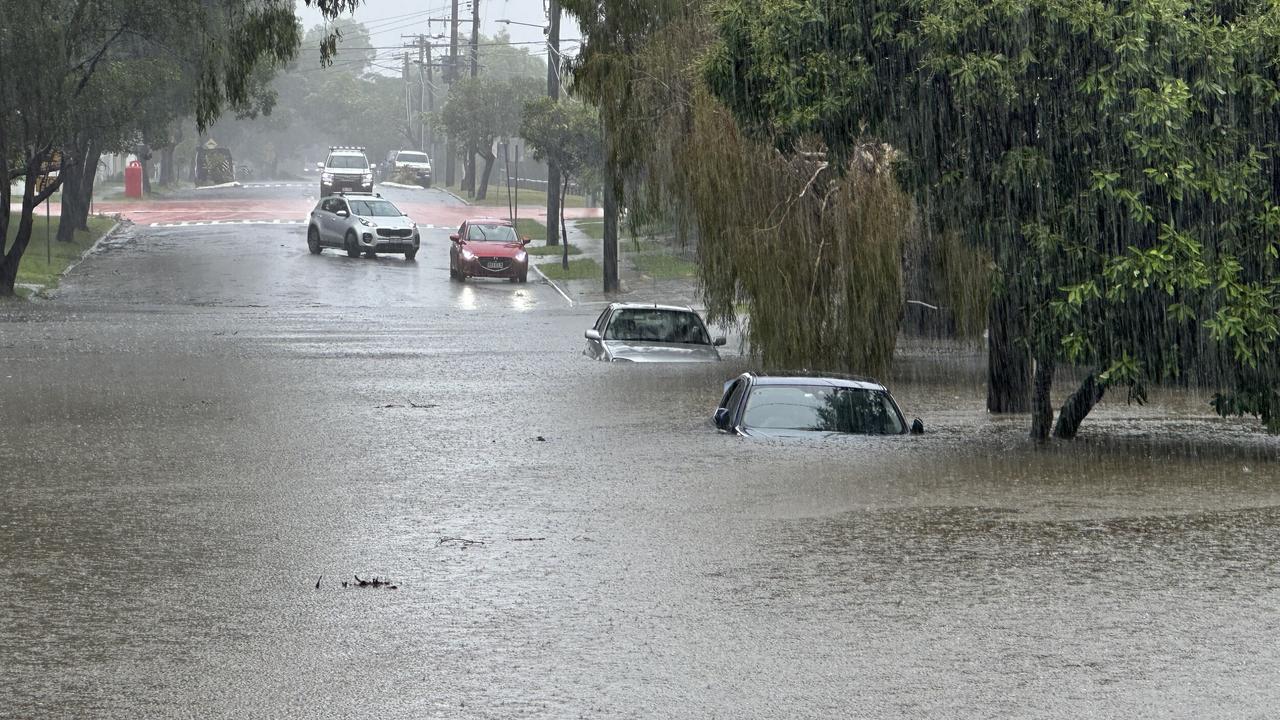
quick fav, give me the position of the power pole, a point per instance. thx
(408, 94)
(611, 187)
(430, 91)
(475, 38)
(475, 71)
(451, 150)
(422, 94)
(553, 92)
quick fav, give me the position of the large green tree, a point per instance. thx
(52, 52)
(482, 110)
(1115, 158)
(567, 135)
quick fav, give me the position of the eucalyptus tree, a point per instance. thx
(1115, 159)
(567, 135)
(53, 50)
(483, 109)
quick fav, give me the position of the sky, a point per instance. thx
(389, 19)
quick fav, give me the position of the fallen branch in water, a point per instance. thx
(376, 582)
(465, 542)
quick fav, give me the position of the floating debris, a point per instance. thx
(375, 582)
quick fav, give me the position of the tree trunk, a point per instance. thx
(167, 174)
(71, 172)
(482, 189)
(553, 201)
(87, 182)
(469, 173)
(1041, 403)
(78, 169)
(610, 231)
(1077, 408)
(1008, 366)
(10, 260)
(564, 232)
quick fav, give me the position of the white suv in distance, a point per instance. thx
(415, 165)
(346, 168)
(361, 223)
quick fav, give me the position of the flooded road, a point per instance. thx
(204, 421)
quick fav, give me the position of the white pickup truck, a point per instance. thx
(410, 165)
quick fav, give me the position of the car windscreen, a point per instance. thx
(654, 325)
(491, 233)
(412, 157)
(823, 409)
(373, 208)
(347, 161)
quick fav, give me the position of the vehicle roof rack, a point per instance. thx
(344, 193)
(333, 148)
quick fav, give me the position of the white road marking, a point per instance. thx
(204, 223)
(277, 221)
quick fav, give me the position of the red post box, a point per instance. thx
(133, 180)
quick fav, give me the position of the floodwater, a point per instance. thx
(205, 421)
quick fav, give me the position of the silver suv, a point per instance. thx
(361, 223)
(346, 168)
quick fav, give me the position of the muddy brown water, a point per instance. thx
(184, 457)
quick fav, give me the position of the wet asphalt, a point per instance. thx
(205, 420)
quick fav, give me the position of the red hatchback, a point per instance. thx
(488, 248)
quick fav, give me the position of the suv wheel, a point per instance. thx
(353, 246)
(313, 240)
(324, 190)
(410, 255)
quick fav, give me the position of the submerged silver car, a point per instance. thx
(633, 332)
(362, 223)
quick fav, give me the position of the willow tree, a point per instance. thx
(1114, 158)
(808, 249)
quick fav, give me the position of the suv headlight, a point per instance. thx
(327, 177)
(366, 223)
(367, 177)
(468, 255)
(521, 256)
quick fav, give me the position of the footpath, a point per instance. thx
(646, 274)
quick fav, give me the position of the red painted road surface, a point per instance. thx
(442, 213)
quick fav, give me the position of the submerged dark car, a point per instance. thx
(756, 405)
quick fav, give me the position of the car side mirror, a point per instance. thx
(455, 237)
(719, 342)
(342, 213)
(319, 166)
(917, 427)
(592, 334)
(721, 415)
(525, 241)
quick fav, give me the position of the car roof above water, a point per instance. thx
(827, 380)
(649, 306)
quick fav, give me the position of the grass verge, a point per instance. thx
(580, 269)
(41, 268)
(530, 228)
(593, 229)
(551, 251)
(663, 267)
(527, 198)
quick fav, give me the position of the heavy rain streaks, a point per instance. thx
(315, 415)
